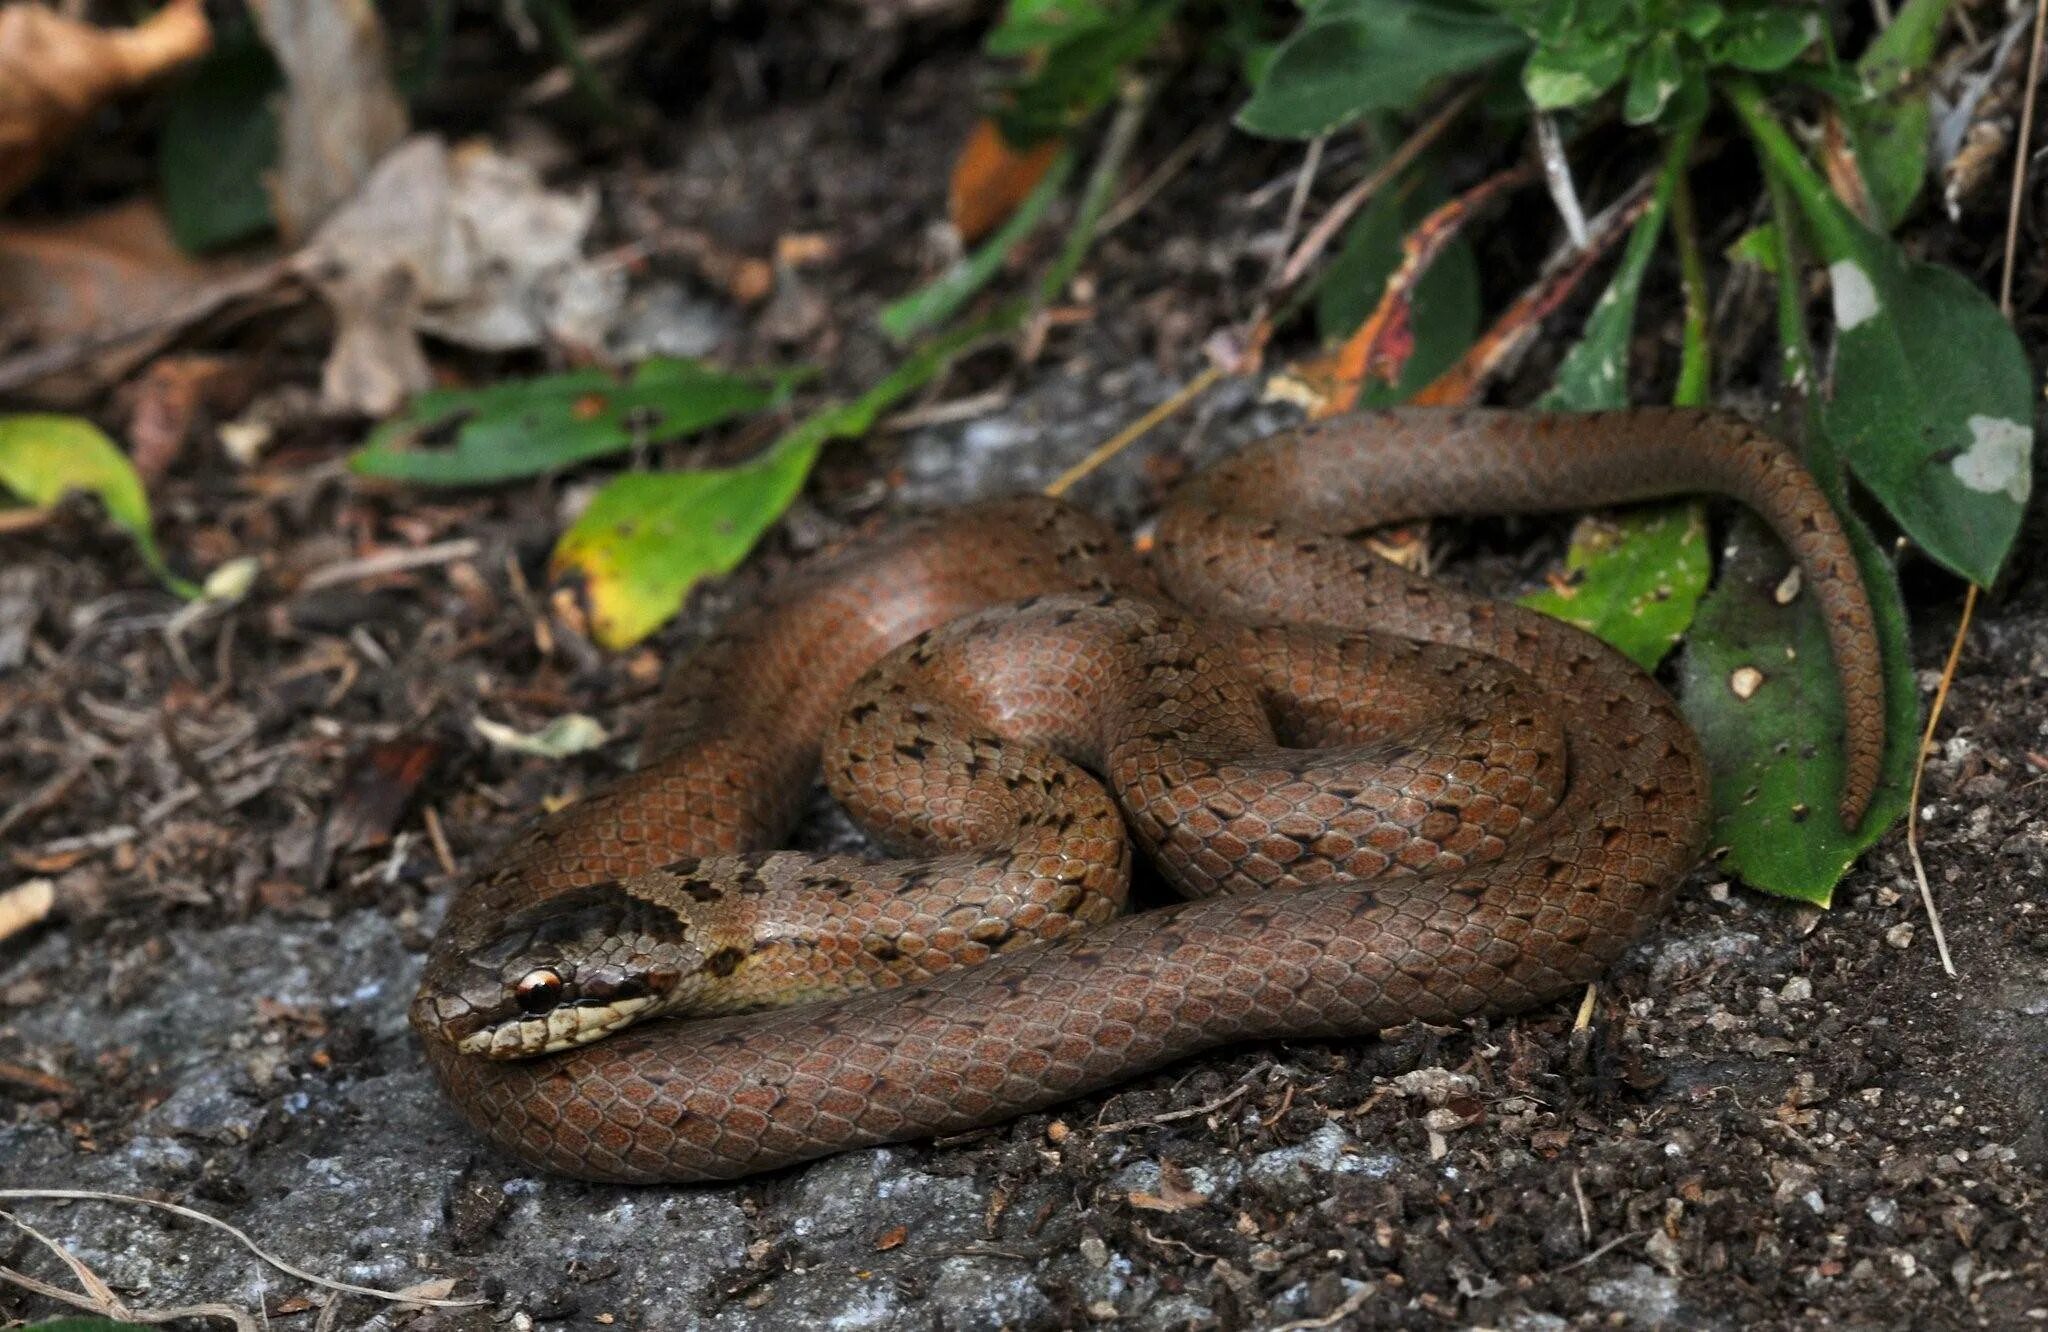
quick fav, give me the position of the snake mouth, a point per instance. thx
(561, 1028)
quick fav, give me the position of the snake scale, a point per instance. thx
(1388, 801)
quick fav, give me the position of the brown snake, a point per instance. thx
(1469, 808)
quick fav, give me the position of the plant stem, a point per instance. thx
(1695, 365)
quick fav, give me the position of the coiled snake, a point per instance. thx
(1390, 800)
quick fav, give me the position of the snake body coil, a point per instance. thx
(1392, 801)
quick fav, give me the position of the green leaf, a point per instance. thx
(1758, 245)
(538, 425)
(44, 458)
(219, 138)
(1758, 681)
(1764, 39)
(1654, 76)
(647, 539)
(1354, 56)
(1890, 127)
(1933, 406)
(1557, 77)
(1446, 307)
(1700, 19)
(935, 303)
(1759, 686)
(1081, 74)
(1594, 373)
(1639, 580)
(1034, 25)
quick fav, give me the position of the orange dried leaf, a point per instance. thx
(991, 178)
(55, 72)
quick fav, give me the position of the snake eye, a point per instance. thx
(538, 990)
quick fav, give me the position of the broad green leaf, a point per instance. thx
(1081, 74)
(1034, 25)
(1654, 76)
(1890, 127)
(1557, 77)
(219, 138)
(1638, 580)
(1765, 38)
(935, 303)
(1769, 713)
(647, 538)
(538, 425)
(1759, 686)
(1700, 20)
(1354, 56)
(1446, 307)
(44, 458)
(1933, 403)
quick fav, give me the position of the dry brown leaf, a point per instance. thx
(55, 71)
(467, 245)
(341, 112)
(115, 269)
(991, 178)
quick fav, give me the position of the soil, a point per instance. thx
(1777, 1116)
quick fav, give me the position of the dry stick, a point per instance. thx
(99, 1298)
(1330, 223)
(1955, 647)
(1335, 1316)
(1134, 203)
(93, 1195)
(1136, 430)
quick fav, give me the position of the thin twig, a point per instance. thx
(1601, 1252)
(1148, 189)
(1136, 430)
(391, 561)
(241, 1236)
(1955, 647)
(1948, 675)
(1297, 202)
(98, 1297)
(2019, 161)
(1335, 1316)
(1329, 224)
(1169, 1116)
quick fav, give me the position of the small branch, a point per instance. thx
(1358, 196)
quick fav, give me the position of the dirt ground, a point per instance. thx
(1779, 1117)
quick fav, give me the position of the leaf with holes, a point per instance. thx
(1758, 683)
(531, 426)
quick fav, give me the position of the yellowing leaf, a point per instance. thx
(45, 458)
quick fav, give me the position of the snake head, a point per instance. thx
(558, 974)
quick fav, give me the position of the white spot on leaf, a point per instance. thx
(1999, 458)
(1855, 296)
(1744, 681)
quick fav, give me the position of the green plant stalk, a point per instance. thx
(561, 30)
(1100, 190)
(1780, 155)
(938, 300)
(1695, 364)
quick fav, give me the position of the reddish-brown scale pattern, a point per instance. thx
(1493, 812)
